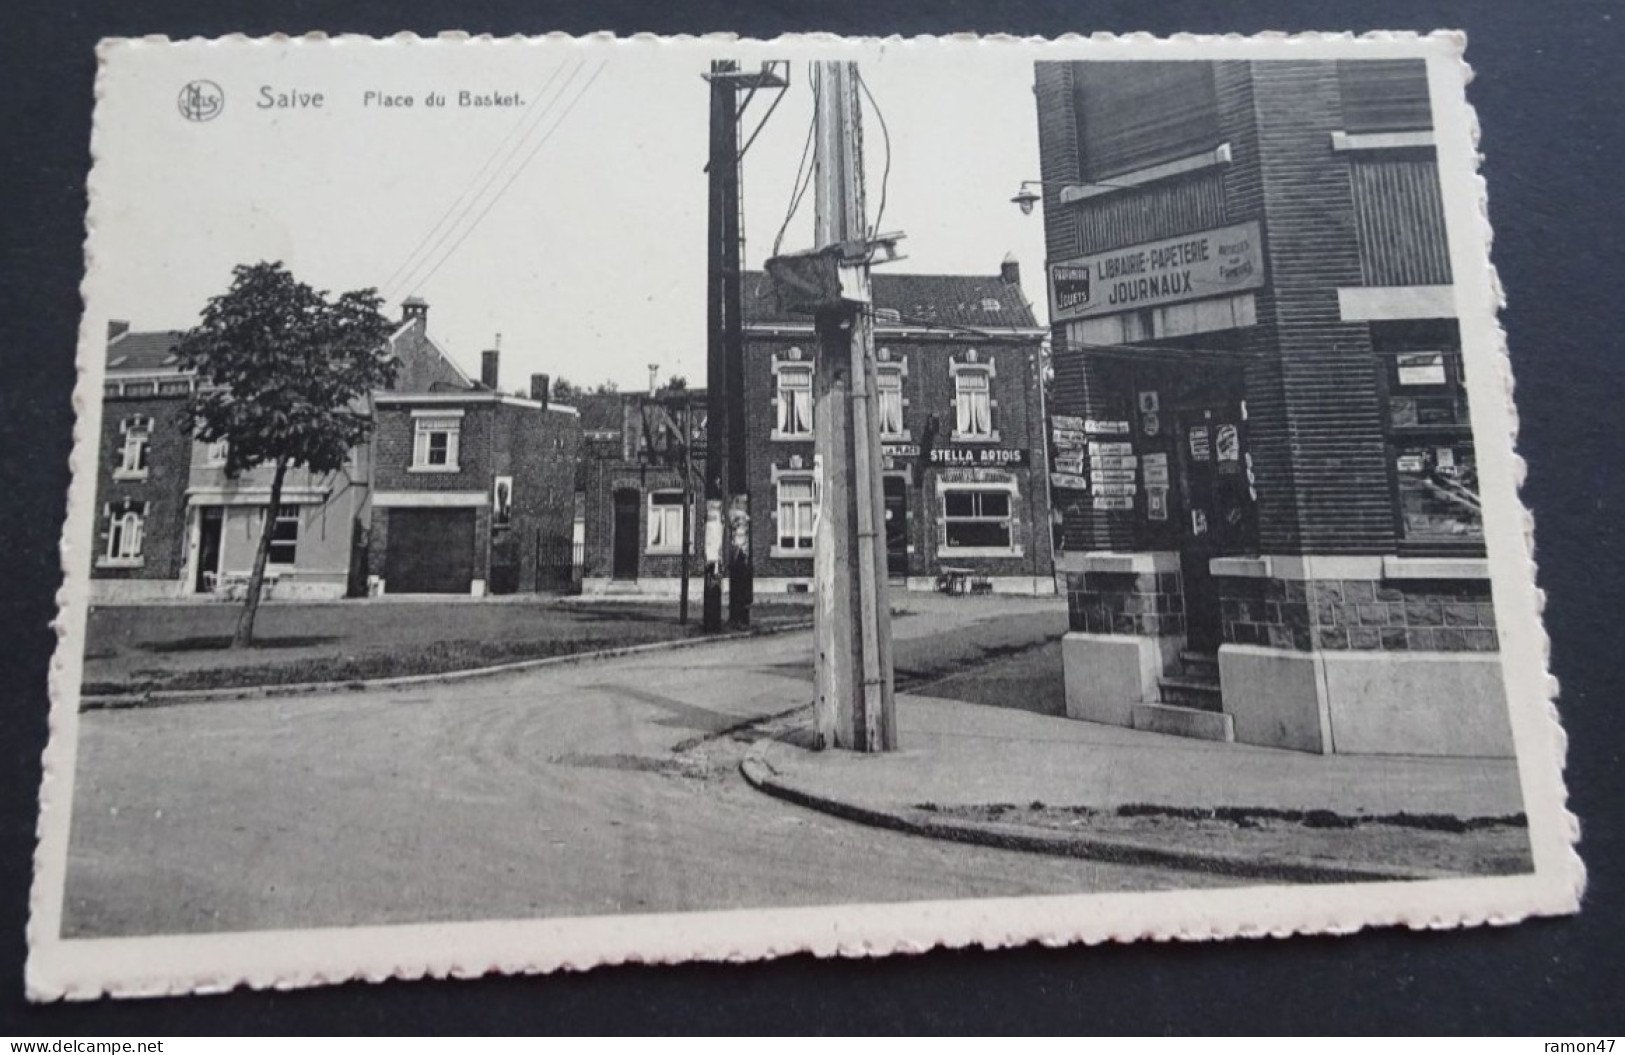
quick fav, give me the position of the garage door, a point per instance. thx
(429, 551)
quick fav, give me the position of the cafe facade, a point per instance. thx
(961, 407)
(1263, 460)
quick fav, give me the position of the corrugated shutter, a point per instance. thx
(1135, 114)
(1384, 95)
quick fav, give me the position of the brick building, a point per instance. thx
(141, 468)
(1258, 386)
(473, 489)
(174, 523)
(319, 530)
(961, 405)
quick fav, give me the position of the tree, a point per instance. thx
(283, 373)
(564, 391)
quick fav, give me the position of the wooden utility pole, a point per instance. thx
(727, 477)
(723, 172)
(855, 707)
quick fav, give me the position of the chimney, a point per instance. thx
(539, 388)
(415, 309)
(1010, 270)
(116, 328)
(489, 368)
(654, 376)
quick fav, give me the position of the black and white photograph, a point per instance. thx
(549, 502)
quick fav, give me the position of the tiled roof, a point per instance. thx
(143, 352)
(981, 302)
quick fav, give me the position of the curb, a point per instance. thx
(176, 697)
(761, 775)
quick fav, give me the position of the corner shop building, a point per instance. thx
(1264, 463)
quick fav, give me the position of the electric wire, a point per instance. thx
(523, 127)
(569, 108)
(885, 138)
(798, 186)
(417, 276)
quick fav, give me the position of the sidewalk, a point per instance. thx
(1060, 785)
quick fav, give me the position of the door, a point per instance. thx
(1218, 510)
(895, 500)
(211, 525)
(624, 558)
(429, 551)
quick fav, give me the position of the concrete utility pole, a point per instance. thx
(855, 706)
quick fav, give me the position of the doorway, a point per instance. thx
(894, 492)
(211, 527)
(624, 553)
(1220, 518)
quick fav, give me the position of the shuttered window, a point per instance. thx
(1384, 95)
(1135, 114)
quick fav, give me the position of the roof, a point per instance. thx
(143, 352)
(978, 301)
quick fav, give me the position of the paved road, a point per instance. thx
(599, 788)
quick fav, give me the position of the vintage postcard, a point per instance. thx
(544, 503)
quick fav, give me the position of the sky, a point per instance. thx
(575, 222)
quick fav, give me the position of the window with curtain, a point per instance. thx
(795, 400)
(797, 512)
(126, 525)
(889, 402)
(973, 405)
(1132, 115)
(665, 522)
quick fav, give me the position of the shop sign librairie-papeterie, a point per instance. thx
(1212, 263)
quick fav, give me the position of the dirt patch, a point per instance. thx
(1429, 842)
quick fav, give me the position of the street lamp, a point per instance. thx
(1026, 197)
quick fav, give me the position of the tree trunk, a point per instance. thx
(244, 635)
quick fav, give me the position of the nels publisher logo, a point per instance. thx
(201, 101)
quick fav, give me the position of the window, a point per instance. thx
(434, 447)
(665, 522)
(795, 394)
(137, 434)
(973, 405)
(126, 526)
(1431, 446)
(216, 453)
(1132, 115)
(976, 519)
(889, 402)
(284, 536)
(797, 513)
